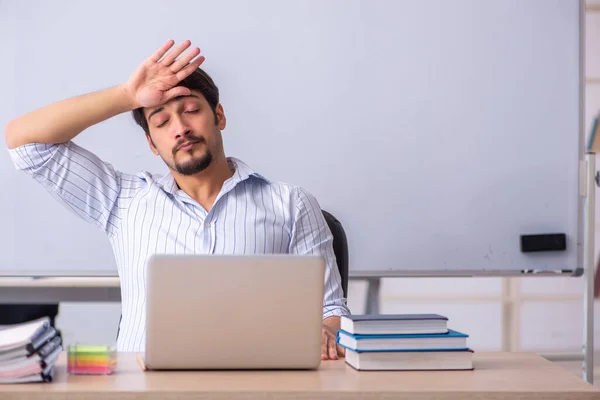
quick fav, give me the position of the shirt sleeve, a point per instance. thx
(80, 180)
(311, 235)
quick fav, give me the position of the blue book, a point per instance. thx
(452, 340)
(389, 324)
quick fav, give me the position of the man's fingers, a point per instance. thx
(332, 348)
(184, 60)
(161, 52)
(323, 345)
(187, 71)
(341, 351)
(176, 91)
(170, 58)
(328, 346)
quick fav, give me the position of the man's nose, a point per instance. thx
(180, 128)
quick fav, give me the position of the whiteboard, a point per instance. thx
(437, 132)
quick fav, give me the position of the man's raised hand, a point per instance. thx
(154, 81)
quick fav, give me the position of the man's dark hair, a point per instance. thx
(198, 80)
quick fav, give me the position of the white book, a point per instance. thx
(22, 335)
(32, 347)
(410, 360)
(383, 324)
(45, 356)
(44, 376)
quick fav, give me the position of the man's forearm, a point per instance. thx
(62, 121)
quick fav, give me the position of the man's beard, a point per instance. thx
(195, 165)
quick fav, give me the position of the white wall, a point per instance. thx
(545, 325)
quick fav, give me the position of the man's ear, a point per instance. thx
(221, 119)
(151, 144)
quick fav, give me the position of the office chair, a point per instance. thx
(19, 313)
(340, 249)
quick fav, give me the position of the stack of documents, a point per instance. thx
(28, 351)
(403, 342)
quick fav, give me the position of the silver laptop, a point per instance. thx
(234, 312)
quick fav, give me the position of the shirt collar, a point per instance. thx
(241, 172)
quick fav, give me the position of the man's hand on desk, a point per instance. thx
(329, 348)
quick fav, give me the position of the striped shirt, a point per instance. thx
(145, 214)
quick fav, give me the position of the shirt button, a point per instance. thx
(207, 224)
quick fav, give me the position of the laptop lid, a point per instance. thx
(234, 311)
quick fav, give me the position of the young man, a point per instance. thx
(207, 204)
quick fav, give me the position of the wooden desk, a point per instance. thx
(497, 376)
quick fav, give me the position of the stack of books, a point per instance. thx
(403, 342)
(28, 351)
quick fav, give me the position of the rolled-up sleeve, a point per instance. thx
(311, 235)
(76, 177)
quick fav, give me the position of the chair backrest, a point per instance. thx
(19, 313)
(340, 247)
